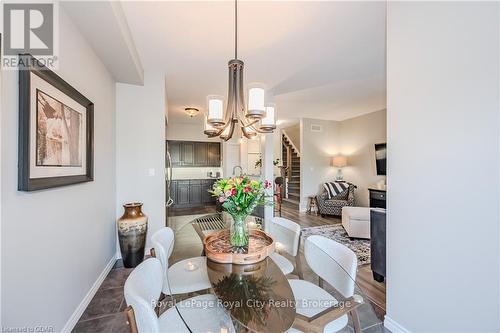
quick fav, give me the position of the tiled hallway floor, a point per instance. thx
(105, 311)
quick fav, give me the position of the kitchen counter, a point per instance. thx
(195, 173)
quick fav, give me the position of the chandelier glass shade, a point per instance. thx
(249, 119)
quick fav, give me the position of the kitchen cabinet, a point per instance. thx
(195, 192)
(213, 154)
(187, 154)
(206, 197)
(182, 192)
(194, 154)
(174, 147)
(200, 153)
(192, 193)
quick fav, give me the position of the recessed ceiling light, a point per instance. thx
(191, 112)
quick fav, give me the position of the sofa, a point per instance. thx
(334, 205)
(356, 221)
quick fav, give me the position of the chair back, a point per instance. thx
(142, 291)
(287, 233)
(163, 243)
(333, 262)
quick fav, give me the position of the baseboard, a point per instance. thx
(393, 326)
(70, 324)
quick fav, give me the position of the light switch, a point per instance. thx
(151, 172)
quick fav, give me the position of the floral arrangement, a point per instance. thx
(239, 196)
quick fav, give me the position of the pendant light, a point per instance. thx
(251, 119)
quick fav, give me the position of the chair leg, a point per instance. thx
(298, 267)
(355, 321)
(131, 319)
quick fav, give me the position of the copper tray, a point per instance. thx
(218, 248)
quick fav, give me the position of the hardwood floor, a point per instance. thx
(375, 291)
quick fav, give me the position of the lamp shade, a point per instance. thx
(208, 128)
(215, 113)
(268, 122)
(256, 109)
(339, 161)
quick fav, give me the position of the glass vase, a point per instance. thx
(239, 234)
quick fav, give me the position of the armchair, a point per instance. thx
(334, 205)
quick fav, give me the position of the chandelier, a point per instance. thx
(258, 117)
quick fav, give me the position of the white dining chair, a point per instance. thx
(335, 264)
(286, 234)
(142, 290)
(188, 275)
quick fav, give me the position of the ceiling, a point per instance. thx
(322, 60)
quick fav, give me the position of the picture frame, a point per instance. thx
(56, 130)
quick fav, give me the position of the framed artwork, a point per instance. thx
(55, 130)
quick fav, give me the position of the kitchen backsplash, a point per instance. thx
(195, 173)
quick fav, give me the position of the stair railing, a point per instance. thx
(291, 142)
(289, 167)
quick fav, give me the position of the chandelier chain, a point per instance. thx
(235, 29)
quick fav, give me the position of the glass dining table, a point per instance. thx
(258, 297)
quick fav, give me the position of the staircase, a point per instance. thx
(291, 159)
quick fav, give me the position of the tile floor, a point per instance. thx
(105, 311)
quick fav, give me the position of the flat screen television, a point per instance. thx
(381, 158)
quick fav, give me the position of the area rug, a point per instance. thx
(336, 232)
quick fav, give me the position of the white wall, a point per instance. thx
(315, 157)
(357, 138)
(293, 133)
(56, 242)
(443, 166)
(140, 148)
(250, 153)
(187, 132)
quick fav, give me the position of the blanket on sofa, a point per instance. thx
(335, 188)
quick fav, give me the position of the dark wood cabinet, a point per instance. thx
(192, 193)
(174, 147)
(182, 192)
(213, 154)
(194, 154)
(206, 197)
(187, 154)
(377, 198)
(200, 154)
(195, 189)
